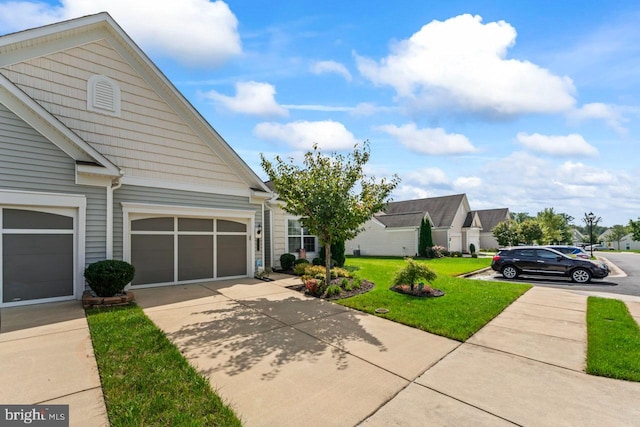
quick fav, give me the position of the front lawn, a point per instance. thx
(613, 348)
(465, 308)
(145, 379)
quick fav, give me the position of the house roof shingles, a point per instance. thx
(409, 213)
(489, 218)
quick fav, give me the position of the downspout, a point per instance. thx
(263, 228)
(115, 184)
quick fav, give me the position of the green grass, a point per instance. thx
(145, 379)
(465, 308)
(613, 348)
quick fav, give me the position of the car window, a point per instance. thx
(541, 253)
(525, 253)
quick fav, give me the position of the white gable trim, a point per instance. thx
(51, 128)
(63, 35)
(185, 186)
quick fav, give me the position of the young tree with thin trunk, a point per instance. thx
(331, 194)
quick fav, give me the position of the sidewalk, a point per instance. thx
(282, 359)
(46, 357)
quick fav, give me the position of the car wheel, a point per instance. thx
(509, 272)
(580, 275)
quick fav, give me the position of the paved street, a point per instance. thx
(627, 283)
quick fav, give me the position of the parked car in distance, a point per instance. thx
(538, 260)
(572, 251)
(599, 247)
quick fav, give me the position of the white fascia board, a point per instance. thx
(184, 186)
(260, 196)
(153, 209)
(38, 198)
(51, 128)
(401, 229)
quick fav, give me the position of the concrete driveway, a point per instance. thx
(280, 358)
(46, 357)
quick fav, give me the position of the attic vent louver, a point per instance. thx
(103, 96)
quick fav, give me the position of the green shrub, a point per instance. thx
(413, 271)
(346, 284)
(339, 272)
(286, 261)
(317, 261)
(472, 248)
(300, 261)
(333, 290)
(314, 270)
(356, 283)
(109, 277)
(474, 255)
(300, 269)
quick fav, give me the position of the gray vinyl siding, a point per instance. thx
(163, 196)
(29, 162)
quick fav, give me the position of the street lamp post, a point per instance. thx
(590, 219)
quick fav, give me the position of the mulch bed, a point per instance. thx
(365, 286)
(426, 292)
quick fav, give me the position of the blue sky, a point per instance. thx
(525, 105)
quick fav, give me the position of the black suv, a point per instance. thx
(536, 260)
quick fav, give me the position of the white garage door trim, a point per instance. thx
(134, 211)
(74, 205)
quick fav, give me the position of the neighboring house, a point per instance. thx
(101, 157)
(577, 237)
(627, 243)
(395, 231)
(489, 218)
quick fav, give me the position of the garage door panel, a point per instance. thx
(195, 257)
(36, 266)
(152, 256)
(232, 256)
(26, 219)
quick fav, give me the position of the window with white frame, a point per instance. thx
(299, 237)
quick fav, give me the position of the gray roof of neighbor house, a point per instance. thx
(409, 213)
(489, 218)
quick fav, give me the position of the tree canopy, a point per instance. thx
(331, 194)
(634, 227)
(617, 233)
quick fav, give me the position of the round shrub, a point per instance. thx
(109, 277)
(286, 261)
(300, 261)
(317, 261)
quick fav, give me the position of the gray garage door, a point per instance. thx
(175, 249)
(37, 255)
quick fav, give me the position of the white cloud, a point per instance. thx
(466, 183)
(599, 111)
(329, 135)
(580, 174)
(557, 145)
(461, 63)
(195, 32)
(433, 141)
(408, 192)
(324, 67)
(428, 177)
(253, 98)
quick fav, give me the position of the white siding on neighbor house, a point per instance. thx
(149, 140)
(161, 196)
(471, 236)
(378, 240)
(440, 237)
(30, 162)
(487, 241)
(627, 243)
